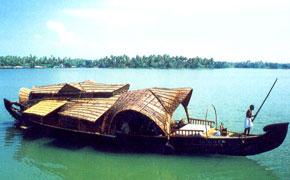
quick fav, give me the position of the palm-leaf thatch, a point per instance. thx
(45, 107)
(158, 104)
(86, 89)
(88, 109)
(24, 95)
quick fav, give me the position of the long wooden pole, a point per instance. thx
(265, 100)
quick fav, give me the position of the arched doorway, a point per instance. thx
(134, 123)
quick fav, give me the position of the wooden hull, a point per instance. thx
(15, 113)
(238, 146)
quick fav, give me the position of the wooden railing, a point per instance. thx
(187, 133)
(202, 122)
(178, 132)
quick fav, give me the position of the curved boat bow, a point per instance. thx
(14, 112)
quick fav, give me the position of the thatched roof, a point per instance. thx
(90, 101)
(86, 100)
(88, 109)
(83, 109)
(86, 89)
(171, 98)
(45, 107)
(158, 104)
(24, 95)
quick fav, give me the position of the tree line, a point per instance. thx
(124, 61)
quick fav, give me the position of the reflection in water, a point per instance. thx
(69, 159)
(11, 133)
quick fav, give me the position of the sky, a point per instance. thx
(225, 30)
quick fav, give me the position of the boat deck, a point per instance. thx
(203, 130)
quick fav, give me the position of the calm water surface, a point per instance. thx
(230, 90)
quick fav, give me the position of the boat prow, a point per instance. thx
(14, 112)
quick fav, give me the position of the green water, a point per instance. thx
(230, 90)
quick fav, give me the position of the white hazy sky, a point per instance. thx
(224, 29)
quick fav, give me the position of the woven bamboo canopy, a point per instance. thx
(158, 104)
(45, 107)
(86, 89)
(88, 109)
(24, 95)
(90, 101)
(86, 100)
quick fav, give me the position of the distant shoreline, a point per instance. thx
(124, 61)
(16, 68)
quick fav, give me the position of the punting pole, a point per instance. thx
(216, 124)
(265, 100)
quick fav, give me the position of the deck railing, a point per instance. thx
(179, 132)
(202, 122)
(187, 133)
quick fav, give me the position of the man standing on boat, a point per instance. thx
(249, 120)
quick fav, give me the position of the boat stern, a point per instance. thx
(275, 134)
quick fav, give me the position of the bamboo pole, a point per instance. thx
(264, 100)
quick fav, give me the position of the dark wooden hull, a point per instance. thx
(238, 146)
(15, 113)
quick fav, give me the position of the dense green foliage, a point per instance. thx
(152, 61)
